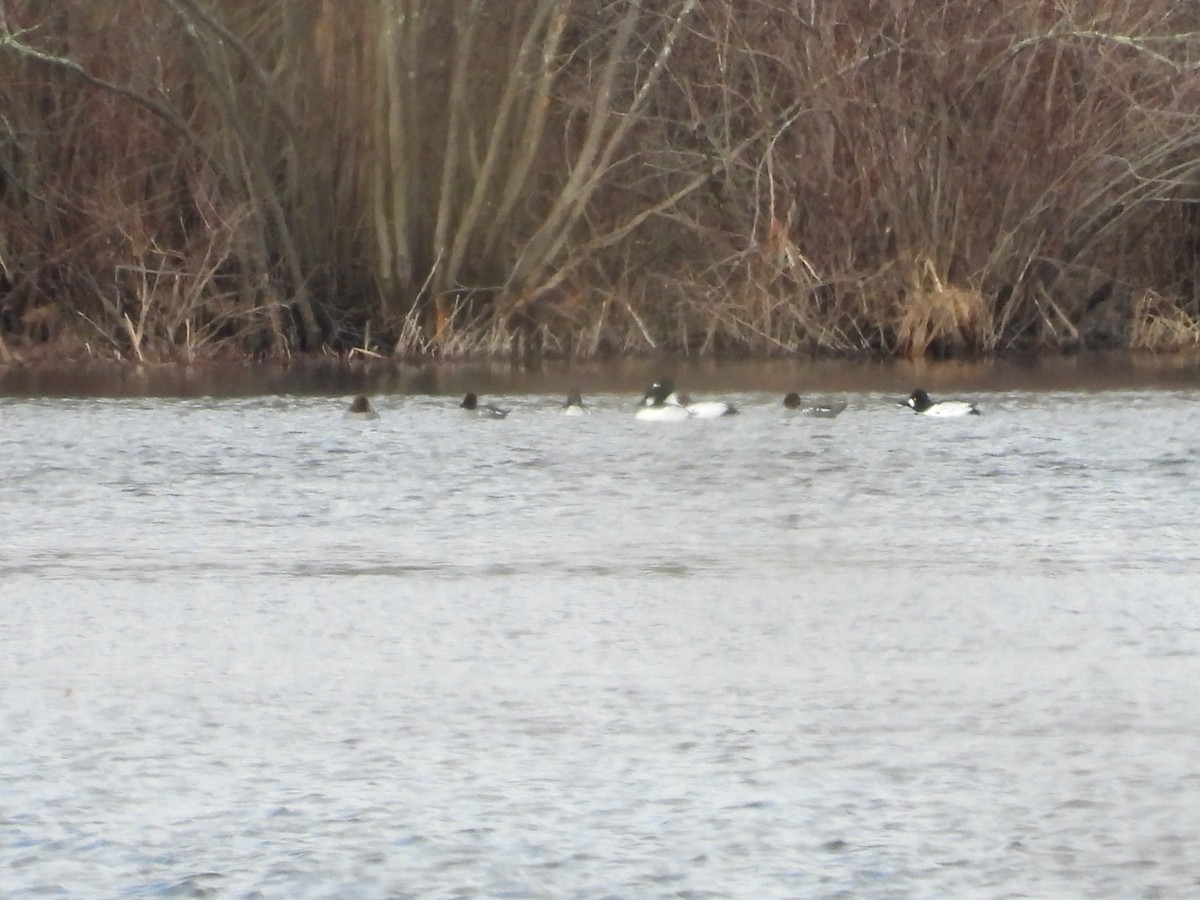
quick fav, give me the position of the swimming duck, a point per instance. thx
(920, 403)
(360, 406)
(574, 405)
(657, 404)
(703, 409)
(485, 410)
(820, 410)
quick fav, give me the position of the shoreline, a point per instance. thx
(330, 376)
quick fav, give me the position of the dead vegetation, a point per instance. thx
(574, 178)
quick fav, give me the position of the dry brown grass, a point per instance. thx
(1157, 323)
(944, 321)
(579, 178)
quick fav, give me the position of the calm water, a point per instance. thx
(252, 648)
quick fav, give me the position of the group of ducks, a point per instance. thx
(662, 403)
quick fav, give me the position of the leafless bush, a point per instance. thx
(577, 177)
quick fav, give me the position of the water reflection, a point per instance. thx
(1083, 372)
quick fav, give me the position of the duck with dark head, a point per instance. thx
(574, 405)
(360, 407)
(793, 403)
(471, 404)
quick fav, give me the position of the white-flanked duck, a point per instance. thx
(659, 404)
(703, 409)
(920, 403)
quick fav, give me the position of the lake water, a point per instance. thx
(252, 648)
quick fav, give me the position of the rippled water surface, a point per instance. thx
(253, 648)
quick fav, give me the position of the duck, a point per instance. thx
(820, 410)
(920, 403)
(485, 411)
(360, 406)
(702, 409)
(574, 405)
(657, 404)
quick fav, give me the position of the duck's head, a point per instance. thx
(918, 400)
(657, 393)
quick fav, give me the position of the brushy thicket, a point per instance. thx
(187, 179)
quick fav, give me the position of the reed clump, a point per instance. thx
(943, 321)
(1159, 324)
(260, 178)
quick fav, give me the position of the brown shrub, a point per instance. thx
(582, 178)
